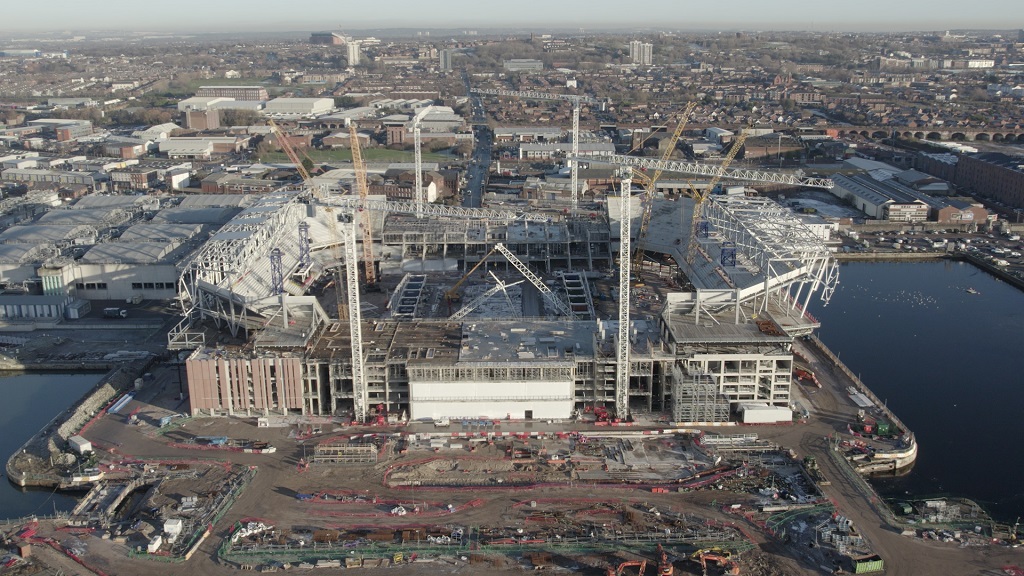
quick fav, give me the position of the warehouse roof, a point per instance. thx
(40, 233)
(208, 200)
(159, 232)
(128, 253)
(183, 215)
(18, 253)
(89, 216)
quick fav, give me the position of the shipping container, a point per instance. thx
(868, 564)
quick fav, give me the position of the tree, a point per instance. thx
(307, 164)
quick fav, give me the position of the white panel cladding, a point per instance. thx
(498, 400)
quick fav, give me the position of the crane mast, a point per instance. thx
(364, 213)
(576, 101)
(622, 342)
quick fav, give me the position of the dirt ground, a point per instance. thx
(361, 499)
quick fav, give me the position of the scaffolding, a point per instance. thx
(696, 398)
(344, 454)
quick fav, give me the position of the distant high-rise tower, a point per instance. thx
(641, 53)
(352, 47)
(445, 57)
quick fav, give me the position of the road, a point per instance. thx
(476, 175)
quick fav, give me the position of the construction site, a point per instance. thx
(560, 385)
(322, 304)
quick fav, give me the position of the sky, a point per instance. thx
(349, 15)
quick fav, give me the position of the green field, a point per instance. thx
(369, 155)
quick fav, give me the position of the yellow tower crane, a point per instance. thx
(364, 213)
(649, 183)
(700, 197)
(289, 150)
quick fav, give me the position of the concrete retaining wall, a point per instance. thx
(29, 465)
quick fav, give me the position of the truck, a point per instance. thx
(115, 313)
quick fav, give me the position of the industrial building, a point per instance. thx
(258, 93)
(541, 350)
(299, 106)
(109, 247)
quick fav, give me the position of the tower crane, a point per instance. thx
(418, 197)
(364, 219)
(355, 316)
(650, 182)
(622, 340)
(289, 150)
(536, 281)
(499, 287)
(576, 101)
(700, 197)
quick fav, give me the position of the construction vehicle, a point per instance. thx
(720, 557)
(665, 567)
(621, 569)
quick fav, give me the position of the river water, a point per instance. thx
(29, 402)
(948, 363)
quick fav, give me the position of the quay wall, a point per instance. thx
(861, 387)
(30, 465)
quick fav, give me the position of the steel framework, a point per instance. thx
(711, 170)
(770, 241)
(230, 277)
(555, 302)
(353, 203)
(305, 259)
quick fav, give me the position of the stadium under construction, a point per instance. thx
(500, 314)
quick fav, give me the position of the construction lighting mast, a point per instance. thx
(364, 213)
(622, 343)
(576, 102)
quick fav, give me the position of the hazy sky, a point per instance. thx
(301, 15)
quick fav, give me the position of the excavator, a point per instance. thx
(642, 564)
(665, 567)
(719, 557)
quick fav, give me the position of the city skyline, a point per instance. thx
(260, 15)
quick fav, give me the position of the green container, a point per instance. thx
(883, 428)
(868, 564)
